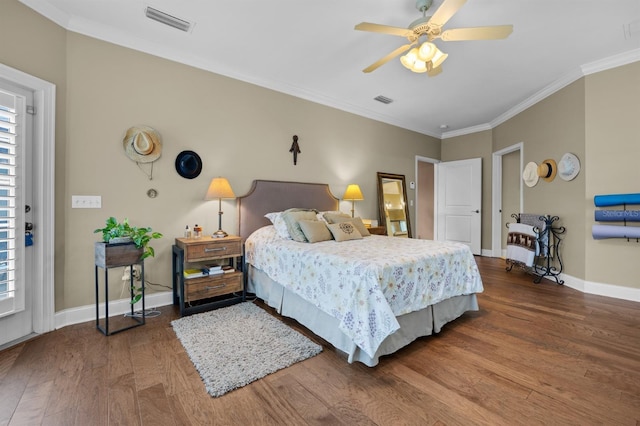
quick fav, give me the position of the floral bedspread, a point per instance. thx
(366, 283)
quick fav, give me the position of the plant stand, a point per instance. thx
(112, 256)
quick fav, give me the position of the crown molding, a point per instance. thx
(614, 61)
(610, 62)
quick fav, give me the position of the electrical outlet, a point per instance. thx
(86, 202)
(126, 273)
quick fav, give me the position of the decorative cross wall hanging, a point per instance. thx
(295, 149)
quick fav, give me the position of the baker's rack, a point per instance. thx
(549, 248)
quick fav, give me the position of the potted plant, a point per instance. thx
(116, 232)
(124, 245)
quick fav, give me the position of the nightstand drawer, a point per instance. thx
(205, 287)
(213, 250)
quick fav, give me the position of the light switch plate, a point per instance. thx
(86, 202)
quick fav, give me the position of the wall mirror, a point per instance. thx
(392, 204)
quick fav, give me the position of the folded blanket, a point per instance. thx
(543, 238)
(521, 243)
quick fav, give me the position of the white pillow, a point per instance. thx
(321, 217)
(279, 224)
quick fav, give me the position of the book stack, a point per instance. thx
(212, 270)
(207, 270)
(193, 273)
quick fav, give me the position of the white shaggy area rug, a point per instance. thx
(234, 346)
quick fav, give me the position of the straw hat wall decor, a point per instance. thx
(142, 144)
(547, 170)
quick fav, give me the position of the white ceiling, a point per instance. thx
(310, 49)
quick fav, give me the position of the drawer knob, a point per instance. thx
(209, 250)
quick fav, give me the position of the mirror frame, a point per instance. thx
(381, 210)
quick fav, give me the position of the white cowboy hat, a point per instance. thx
(569, 166)
(142, 144)
(530, 174)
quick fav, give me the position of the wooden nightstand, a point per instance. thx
(377, 230)
(212, 291)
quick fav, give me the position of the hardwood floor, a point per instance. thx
(535, 354)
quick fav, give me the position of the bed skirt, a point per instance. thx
(416, 324)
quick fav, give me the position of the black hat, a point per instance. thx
(188, 164)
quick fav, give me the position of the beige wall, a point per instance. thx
(40, 50)
(241, 131)
(612, 147)
(425, 204)
(595, 118)
(548, 129)
(476, 145)
(511, 178)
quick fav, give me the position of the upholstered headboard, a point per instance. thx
(266, 196)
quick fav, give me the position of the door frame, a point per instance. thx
(420, 159)
(496, 195)
(43, 173)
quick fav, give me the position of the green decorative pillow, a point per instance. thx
(330, 217)
(315, 230)
(344, 231)
(356, 221)
(291, 218)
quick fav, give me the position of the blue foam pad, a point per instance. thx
(617, 215)
(616, 199)
(600, 232)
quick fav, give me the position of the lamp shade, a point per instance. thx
(427, 51)
(353, 193)
(219, 188)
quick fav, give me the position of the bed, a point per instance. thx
(367, 297)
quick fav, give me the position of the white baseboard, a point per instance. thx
(589, 287)
(486, 253)
(602, 289)
(116, 307)
(120, 307)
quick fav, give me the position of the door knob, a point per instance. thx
(475, 211)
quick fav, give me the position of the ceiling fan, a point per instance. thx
(426, 57)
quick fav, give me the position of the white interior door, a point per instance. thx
(16, 261)
(459, 202)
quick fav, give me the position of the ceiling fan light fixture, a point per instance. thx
(438, 58)
(410, 58)
(419, 66)
(427, 51)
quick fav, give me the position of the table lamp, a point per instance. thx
(354, 194)
(219, 188)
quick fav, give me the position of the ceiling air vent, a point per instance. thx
(167, 19)
(383, 99)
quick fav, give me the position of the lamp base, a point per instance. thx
(219, 234)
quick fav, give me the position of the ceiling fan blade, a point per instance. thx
(446, 11)
(434, 71)
(384, 29)
(477, 33)
(387, 58)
